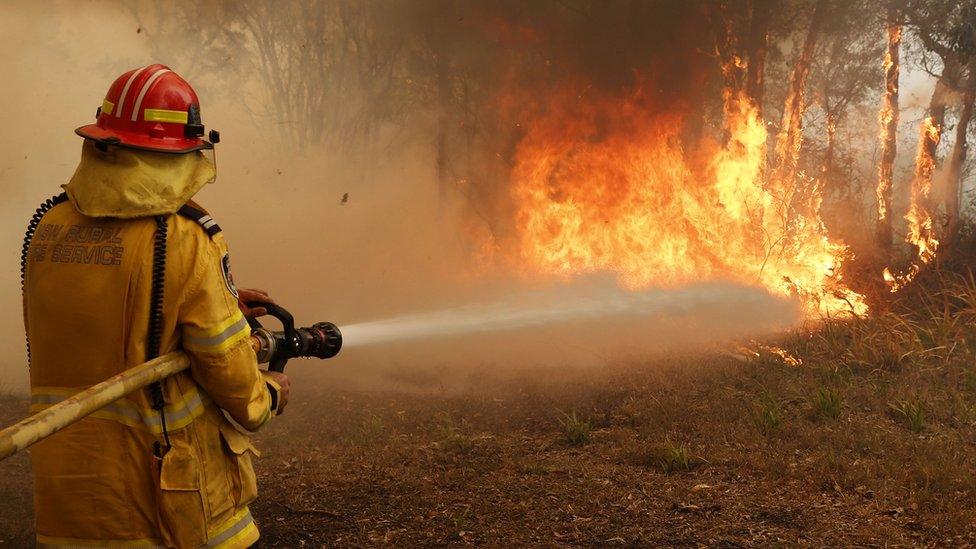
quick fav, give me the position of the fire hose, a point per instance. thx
(321, 340)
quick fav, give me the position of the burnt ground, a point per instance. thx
(689, 451)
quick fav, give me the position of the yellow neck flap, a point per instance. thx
(128, 183)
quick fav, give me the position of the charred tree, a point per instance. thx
(953, 195)
(947, 30)
(445, 101)
(889, 130)
(828, 162)
(921, 230)
(758, 46)
(741, 46)
(932, 127)
(727, 48)
(791, 133)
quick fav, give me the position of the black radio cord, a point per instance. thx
(155, 333)
(32, 225)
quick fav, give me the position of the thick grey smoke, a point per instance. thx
(353, 236)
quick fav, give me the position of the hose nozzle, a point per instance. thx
(321, 340)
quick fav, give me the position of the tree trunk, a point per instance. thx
(444, 108)
(828, 163)
(931, 135)
(791, 133)
(726, 47)
(953, 192)
(921, 232)
(758, 45)
(889, 131)
(919, 217)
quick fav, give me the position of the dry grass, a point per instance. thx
(872, 441)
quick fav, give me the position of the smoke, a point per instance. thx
(373, 234)
(60, 58)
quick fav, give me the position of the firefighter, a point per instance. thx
(120, 268)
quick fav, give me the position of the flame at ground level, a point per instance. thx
(610, 186)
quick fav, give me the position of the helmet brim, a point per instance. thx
(142, 142)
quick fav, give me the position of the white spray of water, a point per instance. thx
(569, 305)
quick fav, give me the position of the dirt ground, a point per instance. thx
(684, 451)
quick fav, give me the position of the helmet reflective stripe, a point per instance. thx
(125, 90)
(163, 115)
(145, 88)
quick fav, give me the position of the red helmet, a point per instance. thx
(153, 109)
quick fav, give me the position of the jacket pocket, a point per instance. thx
(240, 450)
(183, 522)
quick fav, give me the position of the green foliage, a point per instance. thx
(676, 458)
(910, 413)
(826, 403)
(667, 458)
(576, 431)
(766, 415)
(454, 438)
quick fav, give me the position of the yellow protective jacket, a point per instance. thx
(87, 290)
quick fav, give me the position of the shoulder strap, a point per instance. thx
(201, 217)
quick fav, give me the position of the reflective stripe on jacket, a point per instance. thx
(86, 309)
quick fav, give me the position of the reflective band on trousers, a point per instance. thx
(179, 413)
(239, 531)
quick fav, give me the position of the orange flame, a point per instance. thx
(894, 40)
(888, 116)
(885, 116)
(609, 186)
(787, 357)
(920, 230)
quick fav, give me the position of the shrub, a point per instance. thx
(575, 430)
(909, 412)
(667, 457)
(454, 439)
(826, 403)
(766, 415)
